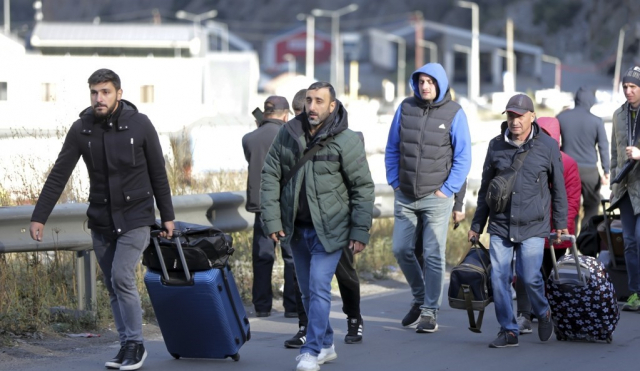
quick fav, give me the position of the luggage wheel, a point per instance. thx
(174, 355)
(236, 357)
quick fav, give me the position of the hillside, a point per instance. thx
(580, 32)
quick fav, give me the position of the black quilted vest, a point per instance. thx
(426, 154)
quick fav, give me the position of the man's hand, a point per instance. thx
(440, 194)
(169, 226)
(561, 232)
(605, 179)
(633, 153)
(356, 246)
(458, 216)
(276, 236)
(473, 236)
(35, 230)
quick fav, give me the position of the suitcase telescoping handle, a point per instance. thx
(574, 252)
(176, 237)
(607, 232)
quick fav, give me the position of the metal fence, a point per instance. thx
(66, 228)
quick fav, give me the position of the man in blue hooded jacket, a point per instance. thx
(428, 158)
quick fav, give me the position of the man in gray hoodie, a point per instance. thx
(581, 131)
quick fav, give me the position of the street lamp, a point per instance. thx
(337, 64)
(433, 49)
(558, 63)
(474, 79)
(311, 43)
(196, 19)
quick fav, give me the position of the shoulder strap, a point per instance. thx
(519, 160)
(307, 156)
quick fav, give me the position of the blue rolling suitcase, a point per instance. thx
(200, 314)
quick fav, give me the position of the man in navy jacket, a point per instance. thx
(524, 224)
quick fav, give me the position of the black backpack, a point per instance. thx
(470, 284)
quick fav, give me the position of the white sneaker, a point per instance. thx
(307, 362)
(327, 354)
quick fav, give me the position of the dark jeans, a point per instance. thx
(590, 180)
(348, 283)
(522, 299)
(264, 254)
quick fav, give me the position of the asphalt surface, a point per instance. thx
(389, 346)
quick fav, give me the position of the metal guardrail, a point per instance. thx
(66, 228)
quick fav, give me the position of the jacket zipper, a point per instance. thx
(426, 118)
(133, 154)
(91, 155)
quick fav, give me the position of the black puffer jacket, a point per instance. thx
(126, 171)
(539, 184)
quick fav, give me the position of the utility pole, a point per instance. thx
(511, 65)
(417, 19)
(616, 74)
(7, 17)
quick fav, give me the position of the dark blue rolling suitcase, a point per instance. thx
(200, 314)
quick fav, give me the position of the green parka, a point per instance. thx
(339, 188)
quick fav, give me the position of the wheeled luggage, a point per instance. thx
(470, 284)
(200, 314)
(581, 296)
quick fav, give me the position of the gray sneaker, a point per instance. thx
(545, 327)
(524, 324)
(427, 324)
(505, 339)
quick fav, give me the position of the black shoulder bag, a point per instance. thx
(307, 156)
(501, 186)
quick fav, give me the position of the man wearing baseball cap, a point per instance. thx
(524, 222)
(256, 145)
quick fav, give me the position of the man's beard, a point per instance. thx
(101, 116)
(314, 122)
(317, 121)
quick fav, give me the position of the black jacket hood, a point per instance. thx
(585, 98)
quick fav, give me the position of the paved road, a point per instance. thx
(388, 346)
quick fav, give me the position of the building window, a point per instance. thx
(3, 90)
(146, 94)
(48, 92)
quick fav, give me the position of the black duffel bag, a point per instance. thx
(204, 247)
(470, 284)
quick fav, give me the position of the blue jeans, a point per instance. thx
(631, 235)
(426, 282)
(528, 262)
(315, 268)
(118, 257)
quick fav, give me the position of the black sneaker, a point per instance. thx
(134, 356)
(116, 361)
(413, 316)
(355, 326)
(427, 324)
(505, 339)
(298, 340)
(545, 327)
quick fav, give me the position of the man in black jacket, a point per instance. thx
(581, 131)
(256, 145)
(122, 152)
(524, 224)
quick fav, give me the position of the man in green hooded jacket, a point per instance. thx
(318, 209)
